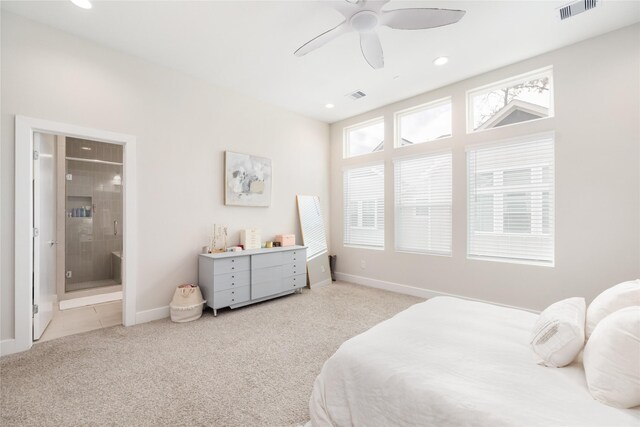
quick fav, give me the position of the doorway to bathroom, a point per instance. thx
(75, 240)
(79, 183)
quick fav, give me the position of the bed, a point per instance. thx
(449, 361)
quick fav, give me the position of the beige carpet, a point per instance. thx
(253, 366)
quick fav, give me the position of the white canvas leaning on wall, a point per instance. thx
(247, 180)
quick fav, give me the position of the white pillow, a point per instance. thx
(612, 359)
(623, 295)
(558, 335)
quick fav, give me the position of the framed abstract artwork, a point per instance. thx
(247, 180)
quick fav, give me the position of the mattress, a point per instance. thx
(449, 361)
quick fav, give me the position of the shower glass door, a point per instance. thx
(93, 208)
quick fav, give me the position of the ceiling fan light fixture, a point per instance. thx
(329, 105)
(441, 60)
(84, 4)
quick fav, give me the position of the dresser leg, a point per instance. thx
(215, 312)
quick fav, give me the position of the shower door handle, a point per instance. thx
(115, 227)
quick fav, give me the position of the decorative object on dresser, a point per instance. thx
(286, 239)
(314, 238)
(247, 180)
(218, 239)
(250, 238)
(236, 279)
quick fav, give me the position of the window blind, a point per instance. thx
(364, 206)
(511, 200)
(423, 203)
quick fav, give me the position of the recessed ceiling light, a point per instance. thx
(441, 60)
(85, 4)
(329, 106)
(86, 148)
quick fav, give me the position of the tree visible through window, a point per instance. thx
(520, 100)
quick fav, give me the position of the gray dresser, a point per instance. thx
(236, 279)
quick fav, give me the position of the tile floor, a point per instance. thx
(83, 319)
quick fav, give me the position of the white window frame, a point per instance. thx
(498, 218)
(345, 137)
(511, 81)
(429, 105)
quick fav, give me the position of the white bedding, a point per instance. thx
(449, 361)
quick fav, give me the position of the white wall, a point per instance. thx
(597, 126)
(182, 125)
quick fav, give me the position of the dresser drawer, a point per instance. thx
(231, 297)
(238, 279)
(297, 255)
(265, 289)
(266, 260)
(298, 267)
(266, 274)
(230, 265)
(295, 282)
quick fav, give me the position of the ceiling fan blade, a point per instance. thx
(322, 39)
(420, 18)
(372, 49)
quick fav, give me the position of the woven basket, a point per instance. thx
(187, 304)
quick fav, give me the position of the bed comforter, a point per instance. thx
(447, 362)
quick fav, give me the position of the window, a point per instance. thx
(511, 200)
(364, 206)
(424, 123)
(523, 98)
(364, 138)
(423, 204)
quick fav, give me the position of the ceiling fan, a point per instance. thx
(365, 16)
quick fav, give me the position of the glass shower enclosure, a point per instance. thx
(93, 215)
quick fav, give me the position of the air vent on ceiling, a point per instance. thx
(573, 9)
(357, 94)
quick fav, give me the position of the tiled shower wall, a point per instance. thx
(91, 239)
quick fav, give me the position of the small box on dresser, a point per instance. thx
(236, 279)
(250, 238)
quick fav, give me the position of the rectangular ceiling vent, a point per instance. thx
(357, 94)
(575, 8)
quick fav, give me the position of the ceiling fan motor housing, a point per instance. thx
(364, 21)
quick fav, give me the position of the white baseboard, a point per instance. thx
(153, 314)
(321, 284)
(7, 347)
(93, 299)
(412, 290)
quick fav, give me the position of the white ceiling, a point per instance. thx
(248, 46)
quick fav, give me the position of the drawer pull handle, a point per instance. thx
(232, 300)
(233, 292)
(233, 260)
(233, 268)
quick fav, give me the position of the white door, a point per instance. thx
(44, 240)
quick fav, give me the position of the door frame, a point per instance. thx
(25, 127)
